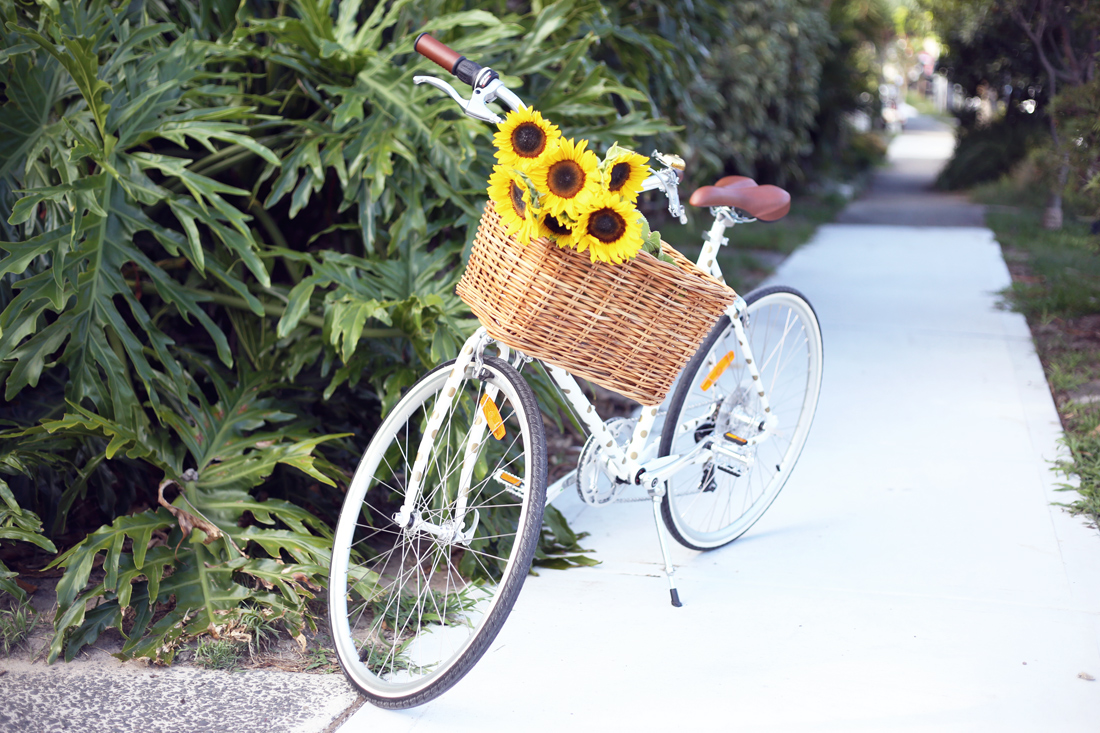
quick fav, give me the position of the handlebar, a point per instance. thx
(452, 61)
(487, 85)
(436, 51)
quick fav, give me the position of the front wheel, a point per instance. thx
(712, 504)
(413, 606)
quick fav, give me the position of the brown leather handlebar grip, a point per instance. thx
(437, 51)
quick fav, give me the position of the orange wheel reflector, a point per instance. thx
(722, 365)
(492, 416)
(509, 478)
(736, 439)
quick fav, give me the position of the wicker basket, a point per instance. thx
(629, 328)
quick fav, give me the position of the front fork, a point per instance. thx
(469, 358)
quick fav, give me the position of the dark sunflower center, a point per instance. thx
(619, 173)
(606, 225)
(528, 140)
(515, 193)
(565, 179)
(556, 226)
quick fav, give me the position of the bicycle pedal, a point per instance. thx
(734, 471)
(513, 484)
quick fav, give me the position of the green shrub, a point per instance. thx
(202, 254)
(985, 153)
(231, 234)
(866, 150)
(1078, 111)
(18, 525)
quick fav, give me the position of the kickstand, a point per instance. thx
(669, 570)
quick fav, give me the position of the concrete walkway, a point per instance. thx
(901, 193)
(913, 576)
(98, 694)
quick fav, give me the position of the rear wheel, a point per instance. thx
(713, 504)
(413, 607)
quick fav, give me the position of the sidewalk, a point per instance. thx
(912, 576)
(901, 193)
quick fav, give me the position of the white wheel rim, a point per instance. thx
(344, 639)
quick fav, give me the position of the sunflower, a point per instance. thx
(624, 173)
(512, 200)
(611, 229)
(523, 138)
(568, 176)
(555, 229)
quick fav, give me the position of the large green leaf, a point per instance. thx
(79, 56)
(101, 349)
(79, 560)
(32, 90)
(18, 525)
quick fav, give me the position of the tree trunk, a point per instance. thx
(1052, 215)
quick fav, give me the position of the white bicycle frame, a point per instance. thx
(631, 463)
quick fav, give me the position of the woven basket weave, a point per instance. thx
(629, 328)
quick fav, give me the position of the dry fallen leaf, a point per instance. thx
(303, 578)
(187, 520)
(1086, 676)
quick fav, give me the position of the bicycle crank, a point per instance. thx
(594, 485)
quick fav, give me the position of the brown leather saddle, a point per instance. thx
(766, 203)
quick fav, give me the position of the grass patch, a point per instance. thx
(219, 654)
(245, 641)
(1063, 278)
(1008, 192)
(753, 249)
(1082, 426)
(321, 660)
(1056, 285)
(16, 626)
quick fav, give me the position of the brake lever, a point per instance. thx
(671, 177)
(668, 181)
(443, 86)
(477, 105)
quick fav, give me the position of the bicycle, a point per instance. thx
(455, 477)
